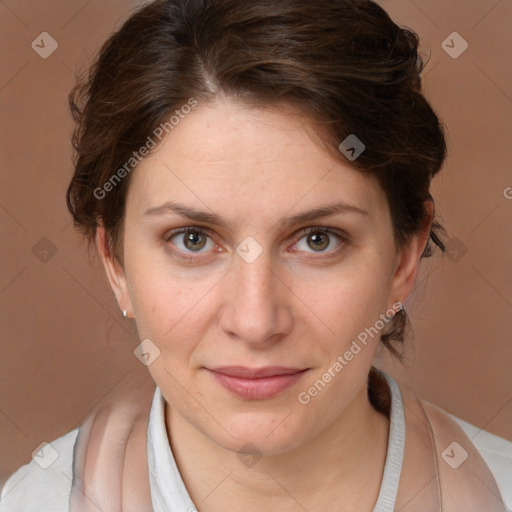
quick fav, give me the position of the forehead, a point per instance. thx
(231, 158)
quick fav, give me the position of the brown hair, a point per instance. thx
(343, 63)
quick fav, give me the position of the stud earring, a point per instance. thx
(394, 310)
(124, 313)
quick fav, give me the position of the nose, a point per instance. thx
(258, 302)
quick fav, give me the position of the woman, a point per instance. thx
(256, 178)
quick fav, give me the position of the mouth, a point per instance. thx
(256, 383)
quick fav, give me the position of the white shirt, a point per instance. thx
(34, 489)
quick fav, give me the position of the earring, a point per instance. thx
(124, 313)
(395, 311)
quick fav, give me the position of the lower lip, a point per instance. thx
(257, 389)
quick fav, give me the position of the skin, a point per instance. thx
(296, 305)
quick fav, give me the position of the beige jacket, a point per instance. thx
(111, 467)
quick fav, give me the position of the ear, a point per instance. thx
(115, 273)
(408, 259)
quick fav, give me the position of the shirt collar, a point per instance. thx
(168, 491)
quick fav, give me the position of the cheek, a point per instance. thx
(167, 311)
(350, 298)
(173, 308)
(350, 306)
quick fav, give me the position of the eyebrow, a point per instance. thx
(211, 218)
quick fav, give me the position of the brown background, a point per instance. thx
(65, 347)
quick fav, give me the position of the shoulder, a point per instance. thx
(469, 473)
(91, 455)
(497, 453)
(44, 483)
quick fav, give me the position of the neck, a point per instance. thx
(340, 469)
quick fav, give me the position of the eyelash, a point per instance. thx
(343, 237)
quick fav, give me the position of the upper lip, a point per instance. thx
(255, 373)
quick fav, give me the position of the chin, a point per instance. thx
(265, 433)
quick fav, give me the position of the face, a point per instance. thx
(255, 283)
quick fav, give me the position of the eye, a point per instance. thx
(320, 238)
(190, 240)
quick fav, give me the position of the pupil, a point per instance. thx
(317, 240)
(192, 240)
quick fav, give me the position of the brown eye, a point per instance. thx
(188, 241)
(194, 240)
(318, 241)
(321, 238)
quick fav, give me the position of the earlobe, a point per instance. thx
(115, 273)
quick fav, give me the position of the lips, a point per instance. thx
(256, 383)
(255, 373)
